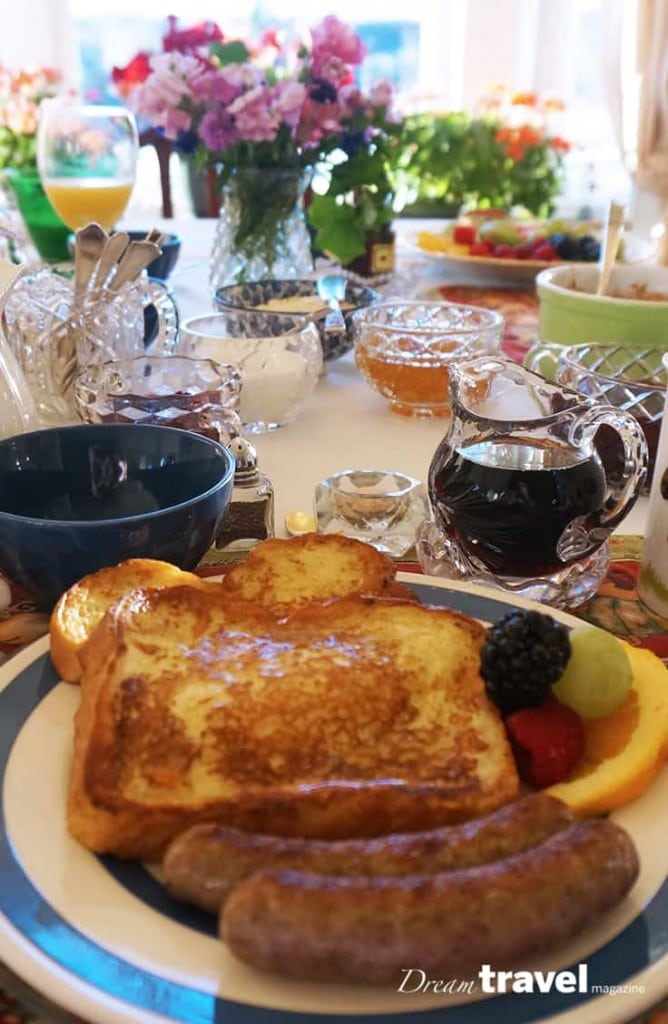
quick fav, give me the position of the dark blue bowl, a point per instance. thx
(74, 499)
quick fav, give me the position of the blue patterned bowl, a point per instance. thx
(242, 301)
(74, 499)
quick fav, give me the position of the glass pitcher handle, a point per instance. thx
(624, 489)
(543, 358)
(156, 295)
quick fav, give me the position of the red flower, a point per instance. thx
(190, 40)
(560, 145)
(133, 74)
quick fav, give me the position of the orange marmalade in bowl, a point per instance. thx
(405, 349)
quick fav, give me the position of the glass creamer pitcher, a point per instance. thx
(519, 495)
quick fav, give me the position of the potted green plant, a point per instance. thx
(504, 155)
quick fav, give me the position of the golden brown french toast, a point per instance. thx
(80, 608)
(286, 574)
(354, 718)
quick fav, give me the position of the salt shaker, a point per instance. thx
(250, 514)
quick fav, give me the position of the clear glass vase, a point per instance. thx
(262, 231)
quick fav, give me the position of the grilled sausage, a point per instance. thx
(370, 930)
(203, 863)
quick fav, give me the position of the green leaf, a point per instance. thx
(338, 231)
(230, 53)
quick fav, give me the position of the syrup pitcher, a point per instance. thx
(520, 498)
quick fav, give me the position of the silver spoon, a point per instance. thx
(88, 244)
(136, 257)
(332, 289)
(113, 250)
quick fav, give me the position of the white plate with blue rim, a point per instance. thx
(100, 938)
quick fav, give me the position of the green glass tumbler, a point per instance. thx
(48, 232)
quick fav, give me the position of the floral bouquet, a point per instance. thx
(263, 116)
(21, 93)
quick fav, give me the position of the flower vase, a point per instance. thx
(261, 231)
(47, 231)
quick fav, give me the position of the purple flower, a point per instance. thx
(217, 130)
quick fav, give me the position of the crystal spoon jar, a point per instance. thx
(520, 498)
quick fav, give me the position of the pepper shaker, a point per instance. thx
(250, 514)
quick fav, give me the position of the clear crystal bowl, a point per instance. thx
(279, 373)
(192, 394)
(405, 350)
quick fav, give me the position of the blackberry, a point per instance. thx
(523, 654)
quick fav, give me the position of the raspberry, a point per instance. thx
(547, 742)
(545, 252)
(524, 251)
(504, 251)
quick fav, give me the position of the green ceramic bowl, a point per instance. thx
(570, 312)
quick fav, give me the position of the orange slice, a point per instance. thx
(625, 750)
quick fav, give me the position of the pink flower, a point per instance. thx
(333, 40)
(317, 121)
(215, 84)
(254, 117)
(162, 97)
(289, 99)
(381, 94)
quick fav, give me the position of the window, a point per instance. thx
(439, 53)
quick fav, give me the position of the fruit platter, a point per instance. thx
(513, 248)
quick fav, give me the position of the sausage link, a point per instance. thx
(203, 863)
(369, 930)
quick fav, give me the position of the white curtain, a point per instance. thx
(37, 33)
(652, 148)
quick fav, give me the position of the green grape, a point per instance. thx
(556, 226)
(499, 232)
(598, 675)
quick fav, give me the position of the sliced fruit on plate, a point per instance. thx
(625, 750)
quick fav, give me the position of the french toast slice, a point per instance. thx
(81, 607)
(287, 574)
(354, 718)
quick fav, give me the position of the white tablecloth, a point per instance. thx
(345, 424)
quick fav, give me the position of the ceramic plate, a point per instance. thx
(518, 272)
(100, 938)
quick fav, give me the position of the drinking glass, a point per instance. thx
(87, 159)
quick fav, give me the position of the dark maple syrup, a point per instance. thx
(507, 501)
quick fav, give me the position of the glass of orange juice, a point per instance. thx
(87, 159)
